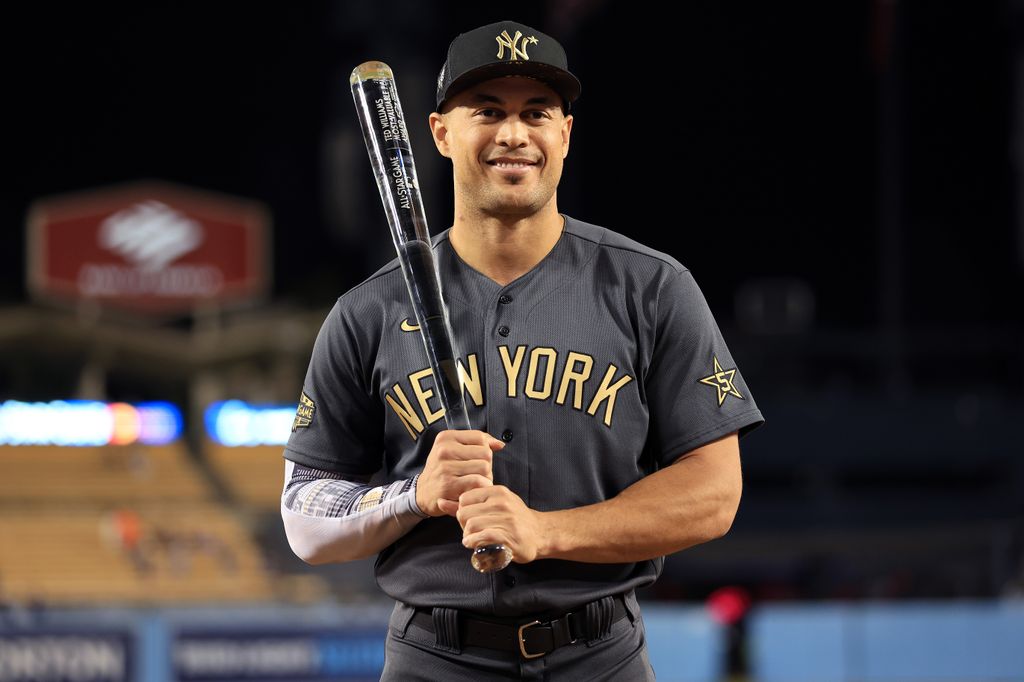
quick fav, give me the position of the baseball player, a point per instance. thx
(606, 406)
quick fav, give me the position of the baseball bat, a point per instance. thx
(387, 142)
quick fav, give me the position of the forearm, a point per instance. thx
(328, 519)
(677, 507)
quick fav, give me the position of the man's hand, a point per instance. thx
(460, 460)
(496, 515)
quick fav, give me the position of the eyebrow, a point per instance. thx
(484, 97)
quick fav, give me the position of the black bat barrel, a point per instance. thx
(418, 263)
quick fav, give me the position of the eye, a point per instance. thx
(483, 112)
(540, 115)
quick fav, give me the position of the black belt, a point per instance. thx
(532, 638)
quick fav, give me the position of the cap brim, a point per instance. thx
(562, 82)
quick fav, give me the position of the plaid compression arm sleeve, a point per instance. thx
(330, 517)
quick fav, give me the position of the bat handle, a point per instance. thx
(490, 558)
(485, 558)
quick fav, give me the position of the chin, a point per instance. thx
(511, 211)
(526, 201)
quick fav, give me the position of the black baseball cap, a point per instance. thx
(505, 48)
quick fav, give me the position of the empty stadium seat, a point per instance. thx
(194, 553)
(255, 475)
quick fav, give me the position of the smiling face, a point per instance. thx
(507, 139)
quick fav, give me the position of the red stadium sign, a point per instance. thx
(149, 246)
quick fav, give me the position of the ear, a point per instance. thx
(439, 131)
(566, 132)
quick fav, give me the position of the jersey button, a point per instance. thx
(505, 298)
(506, 435)
(510, 580)
(503, 330)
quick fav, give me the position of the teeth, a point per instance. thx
(502, 164)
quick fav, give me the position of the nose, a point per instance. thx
(512, 133)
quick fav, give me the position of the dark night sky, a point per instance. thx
(744, 139)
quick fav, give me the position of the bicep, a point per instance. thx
(339, 424)
(719, 460)
(726, 449)
(694, 388)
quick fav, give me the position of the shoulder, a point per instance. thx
(363, 310)
(616, 249)
(621, 258)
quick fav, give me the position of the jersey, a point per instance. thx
(597, 367)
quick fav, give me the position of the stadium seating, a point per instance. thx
(126, 524)
(255, 475)
(183, 554)
(112, 474)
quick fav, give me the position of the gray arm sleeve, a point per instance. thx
(330, 519)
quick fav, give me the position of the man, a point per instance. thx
(607, 403)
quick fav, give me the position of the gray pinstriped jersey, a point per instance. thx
(600, 365)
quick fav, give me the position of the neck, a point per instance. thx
(505, 247)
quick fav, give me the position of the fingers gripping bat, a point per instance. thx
(387, 142)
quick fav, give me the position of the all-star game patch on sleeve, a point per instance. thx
(338, 424)
(694, 388)
(304, 412)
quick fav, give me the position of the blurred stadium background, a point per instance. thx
(186, 192)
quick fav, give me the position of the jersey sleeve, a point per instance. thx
(339, 423)
(695, 392)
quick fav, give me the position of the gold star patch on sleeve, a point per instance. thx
(722, 381)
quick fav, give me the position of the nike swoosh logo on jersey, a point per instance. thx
(408, 326)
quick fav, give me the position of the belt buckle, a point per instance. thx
(522, 644)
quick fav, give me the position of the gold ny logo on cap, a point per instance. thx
(505, 41)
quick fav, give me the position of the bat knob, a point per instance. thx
(491, 558)
(369, 71)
